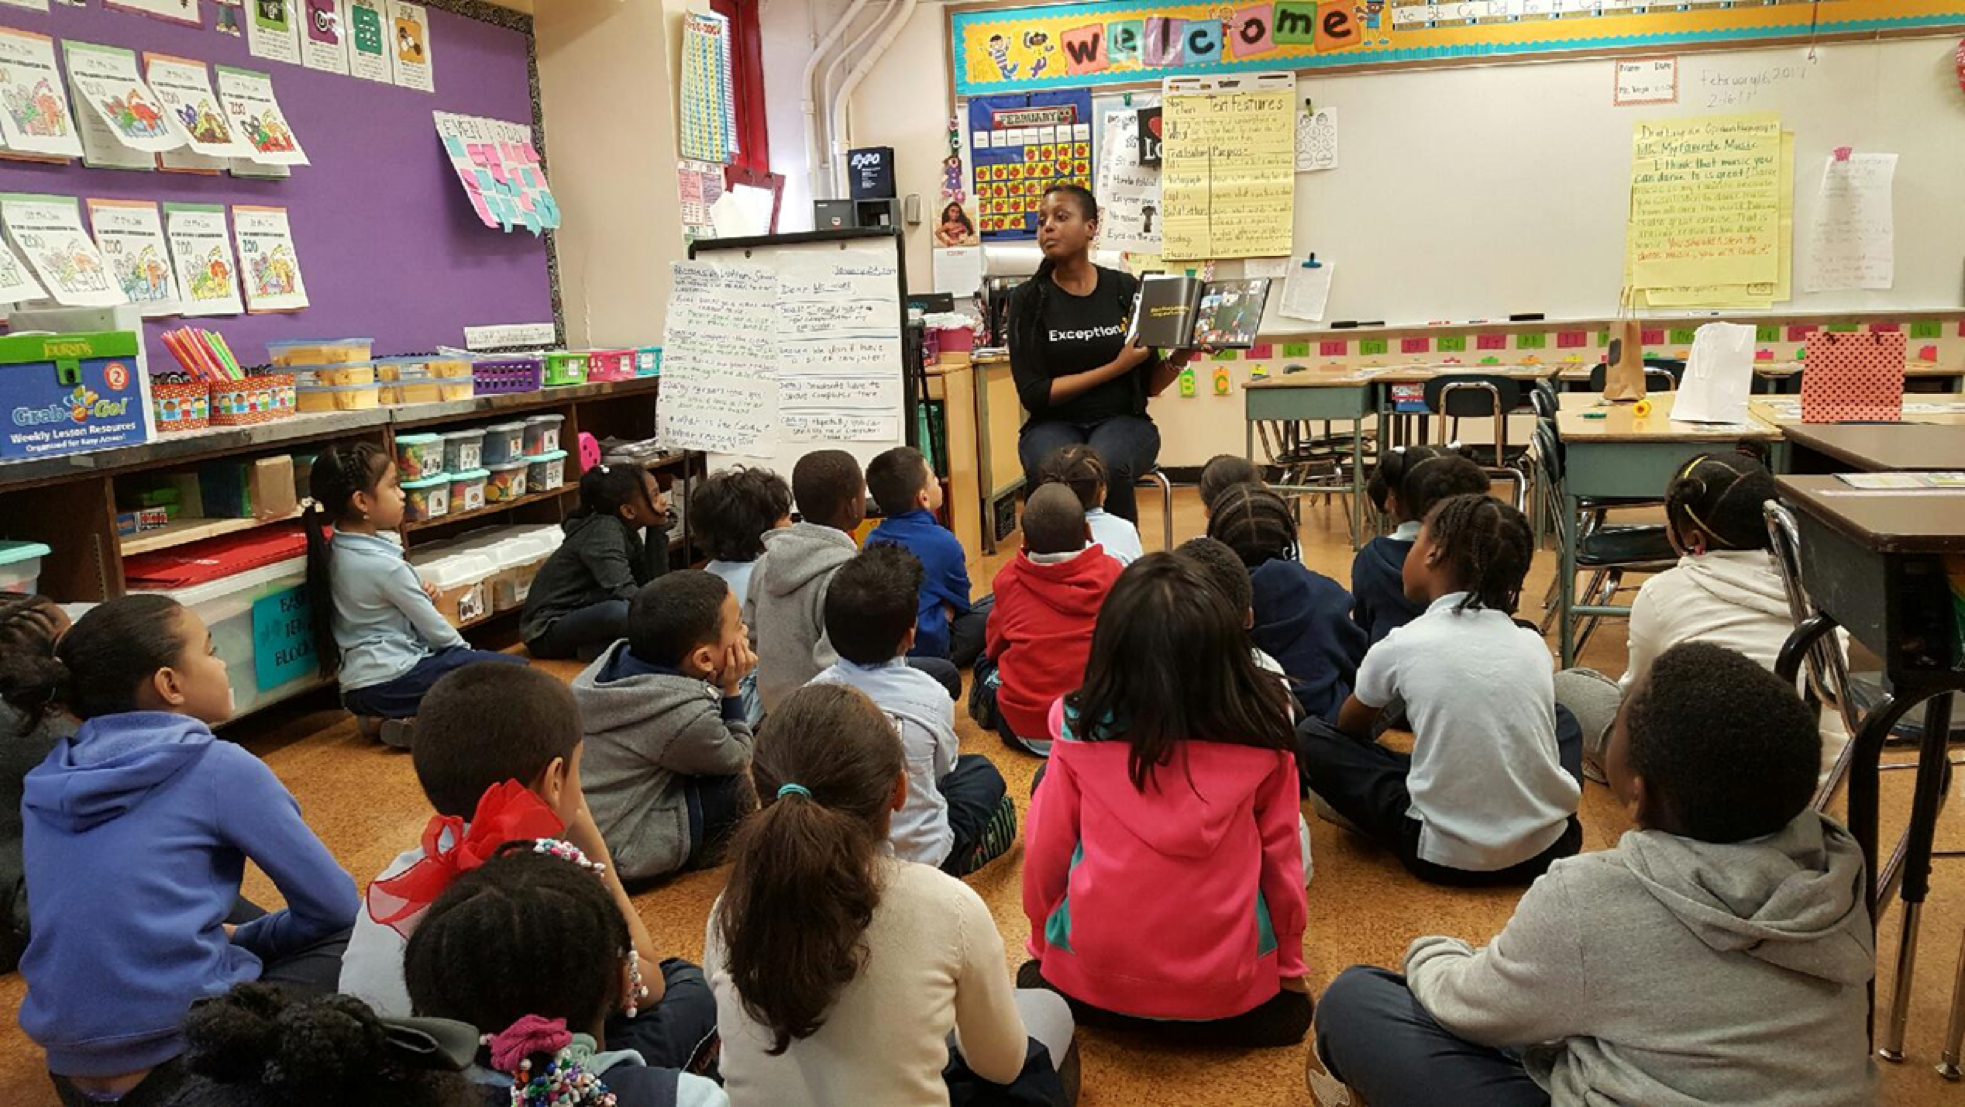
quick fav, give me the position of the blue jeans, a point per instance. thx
(583, 633)
(1380, 1041)
(1130, 445)
(399, 698)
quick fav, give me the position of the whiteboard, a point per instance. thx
(1477, 192)
(846, 339)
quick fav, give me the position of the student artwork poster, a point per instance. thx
(176, 11)
(34, 116)
(16, 283)
(324, 35)
(370, 43)
(272, 30)
(184, 89)
(94, 75)
(256, 116)
(268, 263)
(106, 80)
(409, 25)
(130, 234)
(201, 256)
(48, 232)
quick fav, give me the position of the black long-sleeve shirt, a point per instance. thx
(1075, 334)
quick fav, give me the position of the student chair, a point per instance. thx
(1309, 464)
(1607, 551)
(1660, 374)
(1458, 396)
(1156, 477)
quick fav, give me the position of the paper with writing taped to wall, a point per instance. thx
(1852, 241)
(1705, 201)
(959, 270)
(1316, 140)
(719, 360)
(1128, 192)
(47, 230)
(1228, 166)
(1306, 291)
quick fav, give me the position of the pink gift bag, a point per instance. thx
(1853, 375)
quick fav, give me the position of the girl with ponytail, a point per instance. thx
(376, 625)
(839, 971)
(1076, 373)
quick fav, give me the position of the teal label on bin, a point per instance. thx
(282, 638)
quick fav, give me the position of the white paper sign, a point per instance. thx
(113, 93)
(47, 230)
(177, 11)
(273, 30)
(1128, 192)
(324, 35)
(256, 117)
(269, 266)
(409, 31)
(958, 270)
(1316, 140)
(1306, 291)
(370, 41)
(719, 360)
(130, 234)
(1718, 376)
(34, 115)
(1852, 242)
(184, 88)
(201, 256)
(1646, 81)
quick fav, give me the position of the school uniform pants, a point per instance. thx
(944, 672)
(1281, 1020)
(680, 1031)
(583, 633)
(980, 812)
(1379, 1041)
(1130, 445)
(716, 805)
(967, 631)
(1050, 1068)
(1366, 783)
(400, 697)
(983, 709)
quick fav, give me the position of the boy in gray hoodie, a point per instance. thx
(786, 605)
(1719, 954)
(668, 748)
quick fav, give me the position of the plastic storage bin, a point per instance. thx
(349, 387)
(611, 365)
(505, 482)
(320, 351)
(462, 449)
(648, 361)
(503, 443)
(428, 498)
(542, 434)
(20, 566)
(460, 581)
(467, 489)
(566, 367)
(520, 555)
(546, 471)
(419, 456)
(261, 628)
(499, 376)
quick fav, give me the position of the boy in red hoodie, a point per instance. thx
(1040, 630)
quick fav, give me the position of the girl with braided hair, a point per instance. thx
(376, 625)
(1407, 483)
(1302, 618)
(1488, 795)
(29, 628)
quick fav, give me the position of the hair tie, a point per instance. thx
(506, 811)
(567, 851)
(529, 1035)
(794, 790)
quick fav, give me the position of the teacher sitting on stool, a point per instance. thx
(1075, 373)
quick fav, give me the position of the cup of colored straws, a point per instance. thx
(238, 396)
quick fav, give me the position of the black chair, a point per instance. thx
(1607, 551)
(1661, 374)
(1457, 396)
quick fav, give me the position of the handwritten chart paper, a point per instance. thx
(1128, 192)
(1705, 201)
(839, 351)
(1228, 171)
(1761, 295)
(720, 360)
(1852, 243)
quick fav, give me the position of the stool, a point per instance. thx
(1166, 503)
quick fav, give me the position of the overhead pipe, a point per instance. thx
(827, 93)
(814, 148)
(842, 104)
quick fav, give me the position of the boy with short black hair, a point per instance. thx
(668, 746)
(1720, 954)
(947, 625)
(500, 746)
(1083, 470)
(785, 605)
(1040, 632)
(957, 815)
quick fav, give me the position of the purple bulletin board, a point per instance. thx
(388, 243)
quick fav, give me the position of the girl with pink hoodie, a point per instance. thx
(1163, 872)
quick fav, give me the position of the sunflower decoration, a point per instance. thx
(1641, 409)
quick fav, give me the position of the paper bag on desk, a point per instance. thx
(1718, 376)
(1623, 380)
(1853, 376)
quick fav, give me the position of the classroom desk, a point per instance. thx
(1325, 393)
(1874, 562)
(1623, 455)
(1930, 437)
(1782, 370)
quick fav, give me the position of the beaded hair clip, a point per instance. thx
(567, 851)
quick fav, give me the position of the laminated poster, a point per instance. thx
(47, 230)
(409, 26)
(201, 256)
(255, 114)
(1228, 167)
(272, 30)
(34, 116)
(267, 262)
(369, 41)
(324, 35)
(184, 88)
(114, 95)
(130, 234)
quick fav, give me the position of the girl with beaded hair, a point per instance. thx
(531, 949)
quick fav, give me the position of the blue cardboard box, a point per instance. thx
(70, 393)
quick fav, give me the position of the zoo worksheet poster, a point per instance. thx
(130, 234)
(47, 230)
(112, 91)
(94, 72)
(267, 262)
(255, 113)
(184, 88)
(201, 256)
(34, 116)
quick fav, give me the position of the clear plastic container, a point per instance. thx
(20, 566)
(298, 352)
(260, 628)
(542, 434)
(460, 579)
(503, 443)
(467, 489)
(428, 498)
(506, 482)
(348, 387)
(462, 449)
(419, 456)
(546, 472)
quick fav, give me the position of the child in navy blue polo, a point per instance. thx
(948, 625)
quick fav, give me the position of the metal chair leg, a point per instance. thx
(1166, 504)
(1955, 1033)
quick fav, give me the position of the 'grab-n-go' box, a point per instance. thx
(70, 393)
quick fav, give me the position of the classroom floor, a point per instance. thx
(364, 802)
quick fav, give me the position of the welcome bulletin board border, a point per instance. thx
(998, 49)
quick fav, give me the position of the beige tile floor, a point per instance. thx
(364, 802)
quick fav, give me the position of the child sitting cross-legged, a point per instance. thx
(1489, 793)
(668, 749)
(1081, 469)
(530, 948)
(1163, 862)
(1719, 954)
(958, 816)
(731, 510)
(949, 626)
(1222, 472)
(498, 754)
(785, 605)
(578, 604)
(1407, 483)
